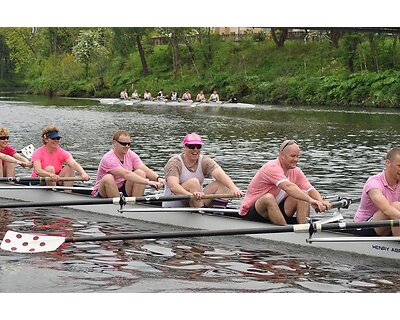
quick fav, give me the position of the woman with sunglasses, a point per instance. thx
(122, 170)
(185, 174)
(9, 156)
(48, 160)
(280, 189)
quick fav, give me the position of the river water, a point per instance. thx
(340, 148)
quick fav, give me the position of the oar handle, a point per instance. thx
(67, 179)
(343, 203)
(216, 196)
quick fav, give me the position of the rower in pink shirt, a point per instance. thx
(280, 189)
(380, 198)
(121, 170)
(49, 159)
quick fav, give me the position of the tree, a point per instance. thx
(279, 36)
(88, 46)
(124, 41)
(351, 40)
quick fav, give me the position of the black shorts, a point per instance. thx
(253, 215)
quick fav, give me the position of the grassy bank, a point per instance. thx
(312, 73)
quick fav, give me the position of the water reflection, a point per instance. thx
(339, 151)
(241, 264)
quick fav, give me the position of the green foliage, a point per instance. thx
(103, 61)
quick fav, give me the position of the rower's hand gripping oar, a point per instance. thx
(343, 203)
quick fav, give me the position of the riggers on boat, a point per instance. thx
(383, 247)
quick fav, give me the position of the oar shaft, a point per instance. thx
(298, 228)
(118, 201)
(37, 179)
(184, 234)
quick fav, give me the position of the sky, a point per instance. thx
(204, 13)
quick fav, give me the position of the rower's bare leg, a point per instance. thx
(1, 169)
(136, 189)
(9, 169)
(67, 171)
(214, 188)
(267, 207)
(301, 208)
(50, 169)
(395, 231)
(108, 188)
(193, 185)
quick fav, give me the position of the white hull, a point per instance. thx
(376, 248)
(138, 102)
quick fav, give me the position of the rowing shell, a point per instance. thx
(159, 103)
(376, 248)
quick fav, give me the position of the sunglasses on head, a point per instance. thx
(124, 143)
(193, 146)
(5, 138)
(290, 142)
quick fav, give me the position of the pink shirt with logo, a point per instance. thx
(367, 207)
(8, 150)
(268, 179)
(110, 161)
(55, 158)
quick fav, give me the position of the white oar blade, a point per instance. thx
(28, 151)
(30, 243)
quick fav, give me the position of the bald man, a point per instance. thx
(280, 189)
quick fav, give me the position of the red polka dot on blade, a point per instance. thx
(35, 238)
(25, 244)
(42, 244)
(7, 241)
(19, 236)
(13, 248)
(32, 250)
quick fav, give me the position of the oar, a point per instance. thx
(354, 239)
(17, 187)
(29, 243)
(185, 209)
(344, 203)
(37, 179)
(120, 201)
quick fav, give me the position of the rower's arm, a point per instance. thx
(383, 204)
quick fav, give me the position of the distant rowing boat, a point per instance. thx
(376, 247)
(140, 102)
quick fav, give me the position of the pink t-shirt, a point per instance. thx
(8, 150)
(55, 158)
(268, 179)
(367, 207)
(110, 161)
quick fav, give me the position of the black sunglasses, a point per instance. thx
(56, 138)
(193, 146)
(124, 143)
(5, 138)
(290, 142)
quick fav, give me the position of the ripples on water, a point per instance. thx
(339, 151)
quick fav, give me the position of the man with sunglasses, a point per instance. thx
(9, 156)
(48, 160)
(280, 189)
(185, 174)
(122, 170)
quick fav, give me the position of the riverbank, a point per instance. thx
(362, 70)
